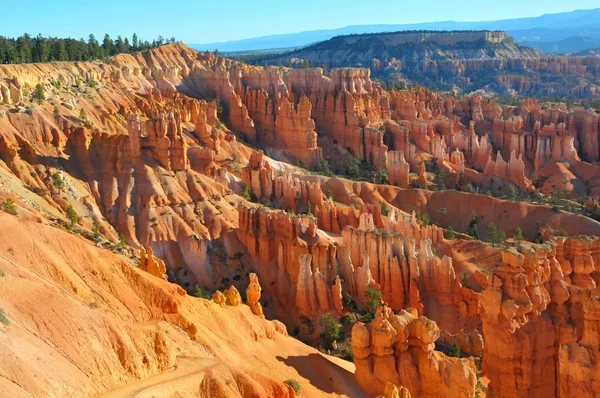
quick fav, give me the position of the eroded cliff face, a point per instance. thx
(81, 321)
(313, 269)
(399, 349)
(540, 308)
(150, 150)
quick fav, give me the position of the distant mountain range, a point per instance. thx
(556, 33)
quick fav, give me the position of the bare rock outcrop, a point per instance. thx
(526, 305)
(151, 264)
(399, 349)
(253, 294)
(232, 296)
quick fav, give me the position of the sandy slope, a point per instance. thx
(84, 322)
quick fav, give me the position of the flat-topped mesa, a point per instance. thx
(440, 38)
(399, 349)
(543, 298)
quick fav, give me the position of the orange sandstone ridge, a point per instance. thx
(157, 155)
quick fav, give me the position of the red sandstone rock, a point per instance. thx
(399, 349)
(253, 294)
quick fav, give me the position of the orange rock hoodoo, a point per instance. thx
(151, 264)
(306, 267)
(540, 309)
(154, 166)
(399, 349)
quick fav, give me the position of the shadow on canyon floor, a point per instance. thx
(324, 374)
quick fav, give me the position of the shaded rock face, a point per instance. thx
(303, 270)
(399, 349)
(539, 321)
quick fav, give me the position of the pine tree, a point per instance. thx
(513, 193)
(41, 49)
(492, 233)
(518, 234)
(58, 182)
(59, 51)
(72, 215)
(93, 47)
(331, 327)
(107, 45)
(119, 45)
(135, 43)
(39, 95)
(24, 48)
(473, 228)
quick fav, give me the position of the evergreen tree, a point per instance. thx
(39, 95)
(24, 48)
(135, 43)
(518, 234)
(107, 45)
(331, 327)
(119, 45)
(41, 49)
(72, 215)
(59, 51)
(513, 193)
(492, 233)
(374, 298)
(473, 228)
(58, 182)
(93, 47)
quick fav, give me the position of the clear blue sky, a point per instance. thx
(206, 21)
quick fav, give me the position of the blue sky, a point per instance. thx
(202, 21)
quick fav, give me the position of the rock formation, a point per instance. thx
(232, 296)
(253, 294)
(391, 391)
(526, 306)
(399, 349)
(143, 162)
(152, 265)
